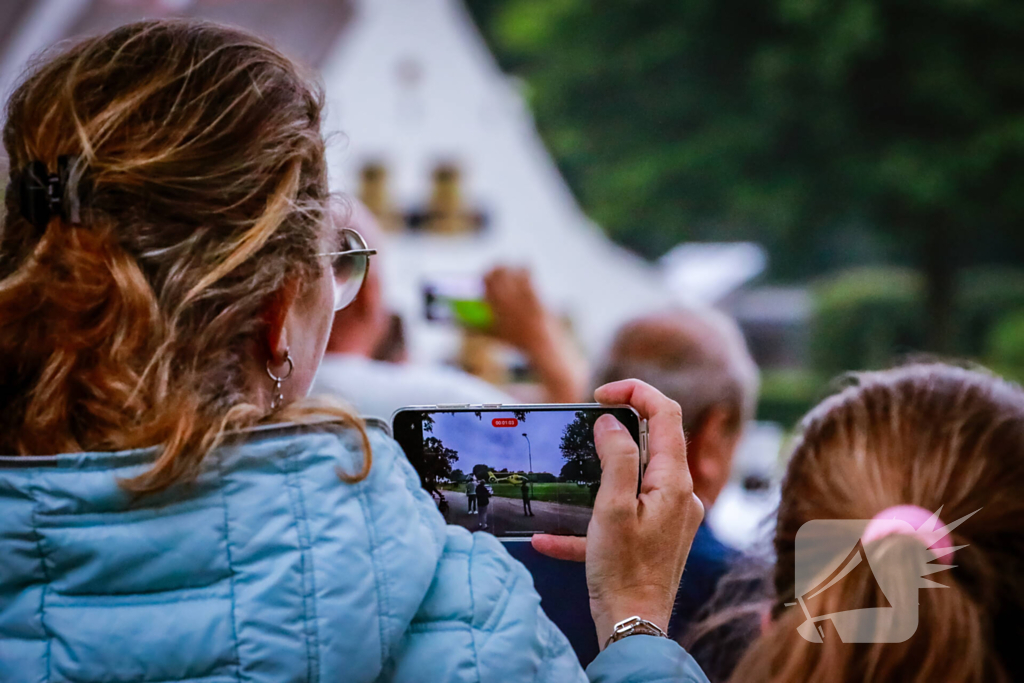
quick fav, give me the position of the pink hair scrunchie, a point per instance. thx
(915, 521)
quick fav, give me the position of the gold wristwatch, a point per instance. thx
(634, 626)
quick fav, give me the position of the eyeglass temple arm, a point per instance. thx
(367, 252)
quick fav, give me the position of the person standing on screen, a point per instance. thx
(483, 499)
(471, 496)
(527, 510)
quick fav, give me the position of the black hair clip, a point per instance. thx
(43, 195)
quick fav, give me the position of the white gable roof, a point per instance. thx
(413, 84)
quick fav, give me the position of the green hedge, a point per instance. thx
(1004, 351)
(786, 395)
(986, 299)
(866, 318)
(873, 317)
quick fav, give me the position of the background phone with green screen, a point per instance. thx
(457, 300)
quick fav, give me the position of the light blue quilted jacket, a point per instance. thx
(269, 568)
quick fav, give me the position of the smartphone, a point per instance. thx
(512, 470)
(457, 300)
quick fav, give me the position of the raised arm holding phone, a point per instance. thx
(522, 321)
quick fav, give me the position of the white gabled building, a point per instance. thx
(413, 85)
(410, 84)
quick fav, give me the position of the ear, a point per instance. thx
(710, 453)
(275, 314)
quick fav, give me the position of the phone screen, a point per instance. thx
(457, 300)
(513, 471)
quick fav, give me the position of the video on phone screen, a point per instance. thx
(512, 473)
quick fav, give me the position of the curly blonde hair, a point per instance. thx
(203, 189)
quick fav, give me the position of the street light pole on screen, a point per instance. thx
(529, 451)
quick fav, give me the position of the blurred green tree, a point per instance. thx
(836, 133)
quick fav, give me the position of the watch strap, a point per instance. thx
(634, 626)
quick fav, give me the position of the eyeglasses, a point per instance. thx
(350, 264)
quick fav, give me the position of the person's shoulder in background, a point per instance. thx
(710, 559)
(720, 605)
(378, 389)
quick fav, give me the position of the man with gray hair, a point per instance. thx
(699, 359)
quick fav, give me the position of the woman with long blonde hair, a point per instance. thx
(172, 507)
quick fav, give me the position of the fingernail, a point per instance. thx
(608, 423)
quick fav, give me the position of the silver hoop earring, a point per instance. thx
(277, 398)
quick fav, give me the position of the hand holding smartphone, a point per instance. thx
(512, 470)
(640, 522)
(636, 545)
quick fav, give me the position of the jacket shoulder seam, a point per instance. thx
(472, 604)
(378, 570)
(307, 572)
(46, 584)
(231, 573)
